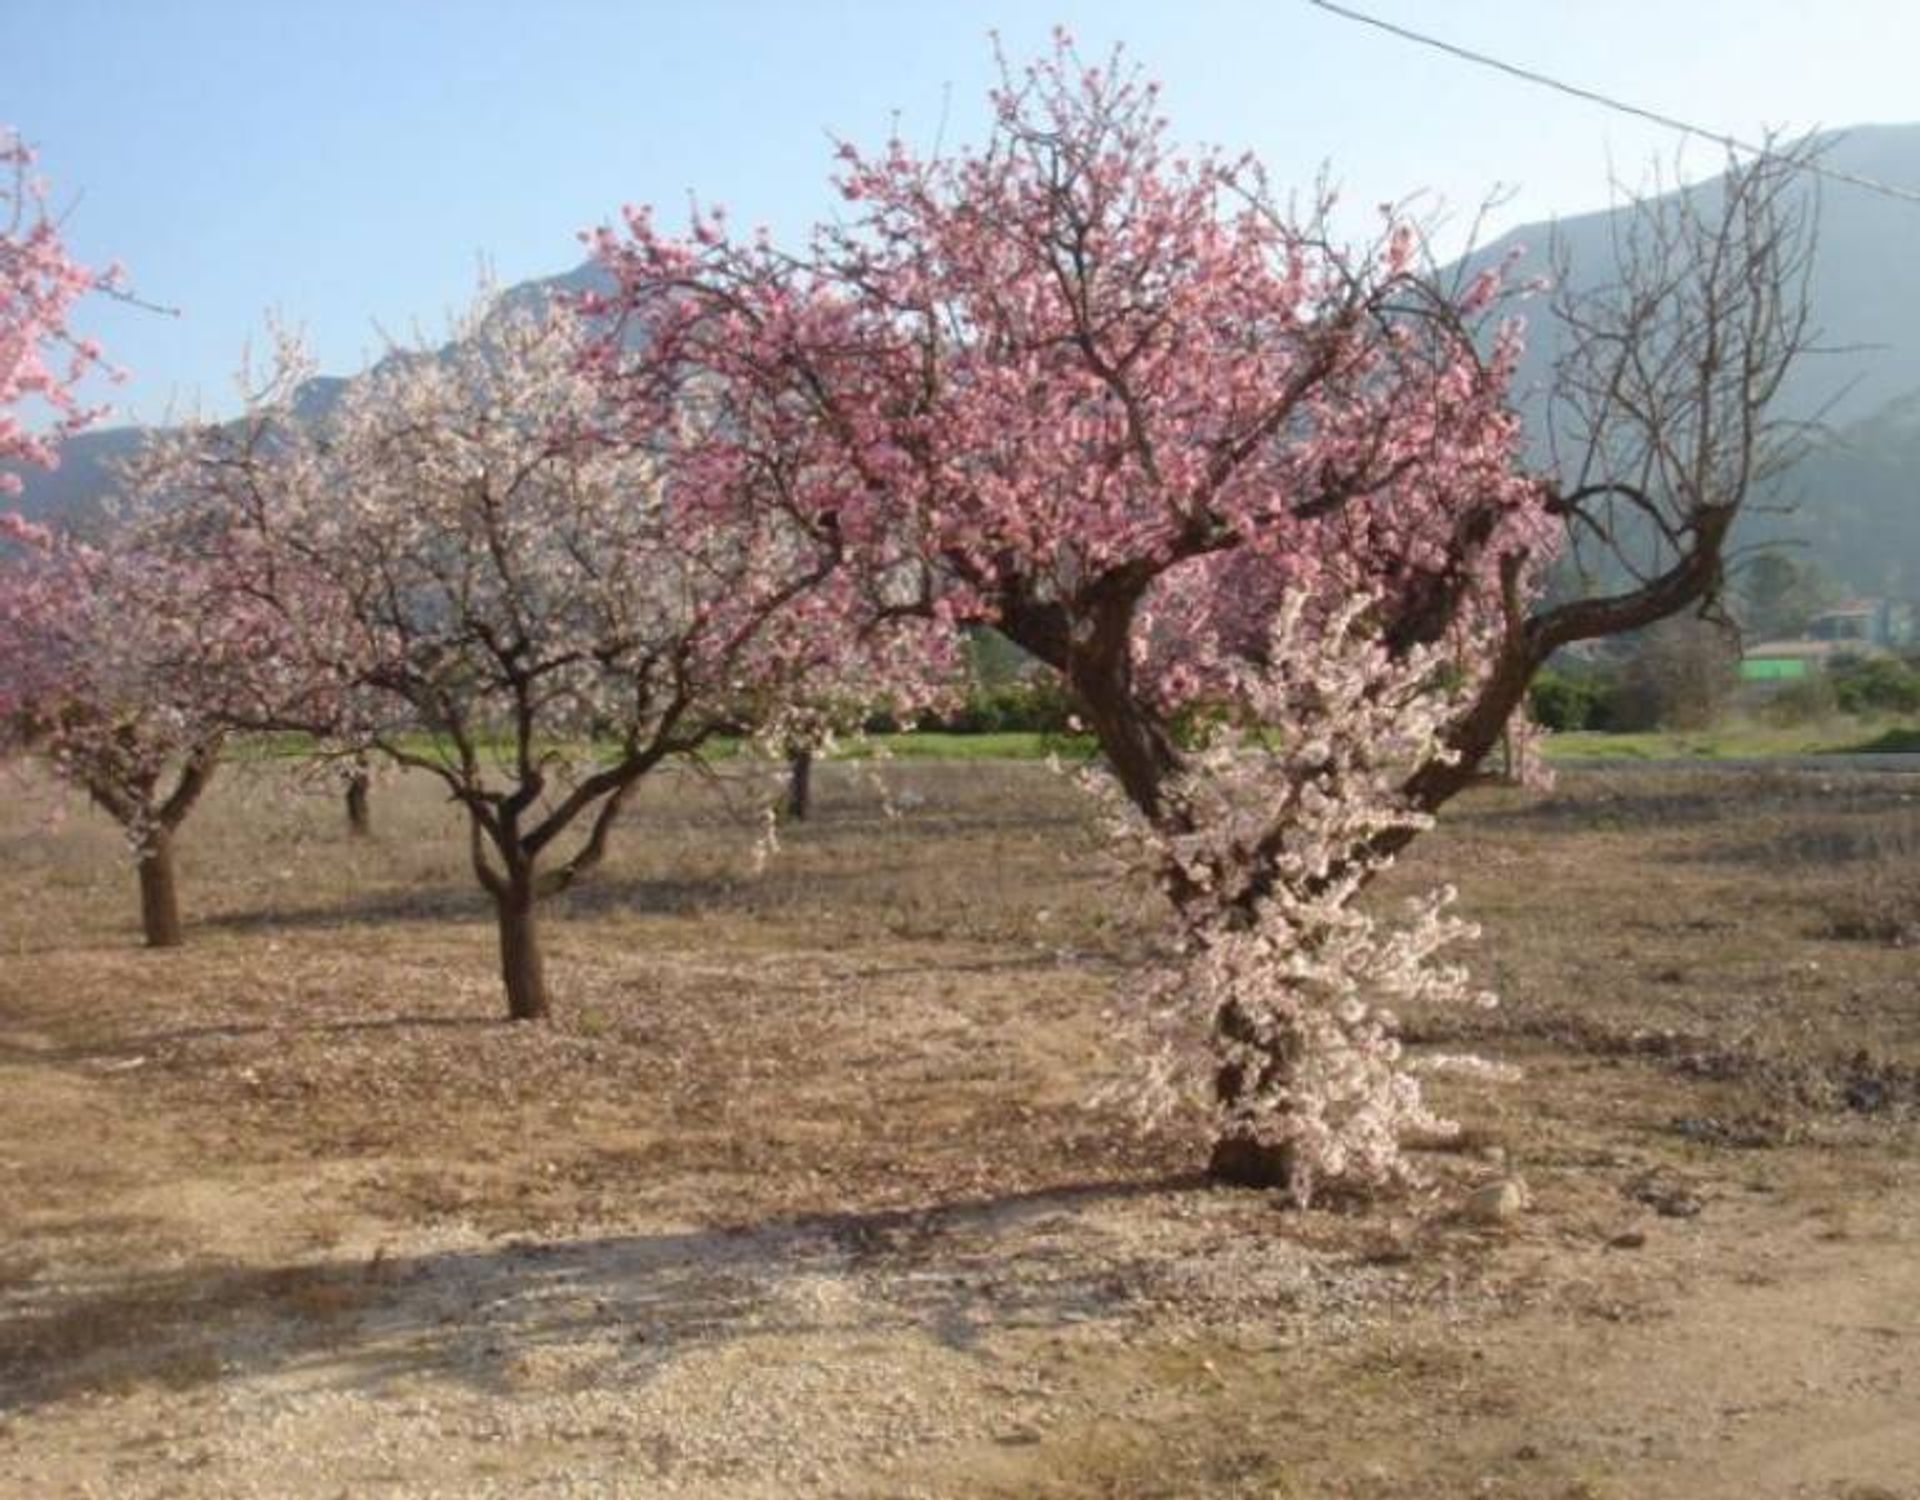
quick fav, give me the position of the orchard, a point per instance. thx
(1178, 442)
(690, 1071)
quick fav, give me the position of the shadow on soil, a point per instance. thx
(599, 894)
(469, 904)
(618, 1307)
(1599, 800)
(139, 1046)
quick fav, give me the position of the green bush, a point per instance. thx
(1880, 685)
(1562, 702)
(1602, 699)
(1035, 704)
(1803, 700)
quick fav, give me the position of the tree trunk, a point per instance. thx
(520, 965)
(1241, 1161)
(1238, 1157)
(800, 785)
(359, 814)
(159, 894)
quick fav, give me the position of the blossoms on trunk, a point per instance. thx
(1281, 1012)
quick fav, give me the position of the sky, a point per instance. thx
(350, 166)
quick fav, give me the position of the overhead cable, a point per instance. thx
(1606, 101)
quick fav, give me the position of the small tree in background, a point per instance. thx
(1682, 677)
(1776, 596)
(90, 640)
(358, 796)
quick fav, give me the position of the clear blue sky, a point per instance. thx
(349, 163)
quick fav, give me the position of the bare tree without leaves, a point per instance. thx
(1663, 423)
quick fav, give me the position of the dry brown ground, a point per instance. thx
(800, 1194)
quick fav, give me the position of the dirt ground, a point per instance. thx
(801, 1194)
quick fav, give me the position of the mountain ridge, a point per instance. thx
(1855, 511)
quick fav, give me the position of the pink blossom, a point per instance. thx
(41, 360)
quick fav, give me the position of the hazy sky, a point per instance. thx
(348, 163)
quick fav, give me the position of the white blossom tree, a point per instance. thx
(466, 576)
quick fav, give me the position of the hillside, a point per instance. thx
(1865, 287)
(1855, 504)
(1851, 500)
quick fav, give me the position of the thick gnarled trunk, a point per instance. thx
(1239, 1160)
(1238, 1156)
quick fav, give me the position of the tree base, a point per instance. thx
(1241, 1162)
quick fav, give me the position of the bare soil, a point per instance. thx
(801, 1194)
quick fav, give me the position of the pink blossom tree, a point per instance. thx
(90, 637)
(1203, 460)
(41, 359)
(464, 576)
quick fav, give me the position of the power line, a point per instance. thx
(1620, 106)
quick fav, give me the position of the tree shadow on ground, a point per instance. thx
(1600, 801)
(624, 1305)
(600, 893)
(1849, 837)
(468, 905)
(396, 905)
(130, 1049)
(782, 890)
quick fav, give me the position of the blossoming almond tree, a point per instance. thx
(89, 641)
(1126, 407)
(465, 578)
(41, 360)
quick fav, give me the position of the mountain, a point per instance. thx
(1855, 503)
(1864, 289)
(75, 491)
(1854, 508)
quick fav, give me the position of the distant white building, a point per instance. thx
(1887, 623)
(1858, 628)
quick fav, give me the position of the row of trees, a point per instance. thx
(1205, 462)
(456, 569)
